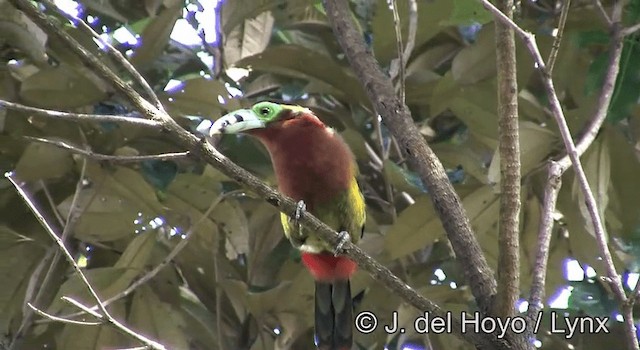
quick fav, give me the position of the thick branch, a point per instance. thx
(573, 158)
(397, 118)
(509, 140)
(285, 204)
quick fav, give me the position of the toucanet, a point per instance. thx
(313, 165)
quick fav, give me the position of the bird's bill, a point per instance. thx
(235, 122)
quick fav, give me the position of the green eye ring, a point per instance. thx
(265, 111)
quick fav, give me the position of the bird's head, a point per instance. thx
(262, 115)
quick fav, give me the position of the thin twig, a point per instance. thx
(603, 13)
(93, 118)
(115, 54)
(399, 65)
(111, 158)
(53, 256)
(551, 190)
(174, 252)
(553, 55)
(106, 316)
(61, 319)
(52, 204)
(393, 6)
(630, 30)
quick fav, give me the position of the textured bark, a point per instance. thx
(509, 140)
(398, 119)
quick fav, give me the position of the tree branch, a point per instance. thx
(174, 252)
(115, 54)
(559, 33)
(509, 149)
(105, 316)
(397, 118)
(573, 158)
(106, 157)
(92, 118)
(209, 154)
(558, 114)
(631, 30)
(61, 319)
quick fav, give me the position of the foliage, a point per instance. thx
(238, 284)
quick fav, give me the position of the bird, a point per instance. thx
(315, 167)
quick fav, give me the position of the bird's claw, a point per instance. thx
(298, 239)
(300, 208)
(344, 238)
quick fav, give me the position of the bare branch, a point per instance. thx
(631, 30)
(111, 158)
(556, 109)
(398, 119)
(398, 65)
(551, 190)
(573, 153)
(61, 319)
(510, 178)
(93, 118)
(27, 198)
(603, 13)
(553, 55)
(115, 54)
(174, 252)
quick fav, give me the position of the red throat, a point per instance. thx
(327, 267)
(311, 162)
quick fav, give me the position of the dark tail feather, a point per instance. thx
(333, 315)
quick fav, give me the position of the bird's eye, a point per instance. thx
(265, 111)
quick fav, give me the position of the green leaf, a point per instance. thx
(430, 15)
(467, 12)
(157, 320)
(475, 105)
(43, 161)
(477, 61)
(403, 179)
(627, 90)
(249, 38)
(109, 281)
(416, 227)
(202, 323)
(536, 143)
(92, 337)
(62, 87)
(234, 12)
(18, 30)
(299, 62)
(158, 172)
(20, 256)
(200, 96)
(117, 205)
(155, 36)
(597, 167)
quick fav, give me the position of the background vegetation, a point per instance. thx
(237, 284)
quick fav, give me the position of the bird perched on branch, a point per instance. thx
(314, 166)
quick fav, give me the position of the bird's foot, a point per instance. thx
(297, 239)
(300, 208)
(344, 238)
